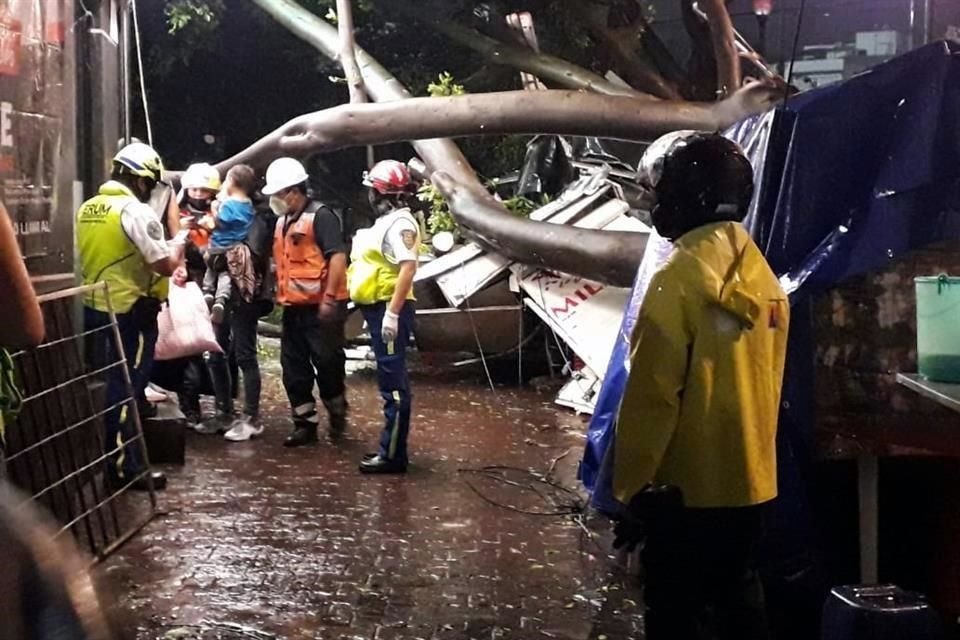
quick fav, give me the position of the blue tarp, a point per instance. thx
(849, 178)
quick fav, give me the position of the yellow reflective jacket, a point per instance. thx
(372, 276)
(106, 254)
(700, 407)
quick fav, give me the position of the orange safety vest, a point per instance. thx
(301, 267)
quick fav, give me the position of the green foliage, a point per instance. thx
(445, 86)
(520, 206)
(198, 14)
(440, 218)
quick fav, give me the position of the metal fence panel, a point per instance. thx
(55, 449)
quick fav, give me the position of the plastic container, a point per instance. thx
(938, 328)
(878, 612)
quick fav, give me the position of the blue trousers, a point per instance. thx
(138, 335)
(392, 378)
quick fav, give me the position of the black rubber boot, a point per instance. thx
(301, 435)
(337, 412)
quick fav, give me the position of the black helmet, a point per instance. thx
(697, 178)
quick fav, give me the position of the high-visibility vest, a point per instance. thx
(108, 255)
(301, 266)
(372, 277)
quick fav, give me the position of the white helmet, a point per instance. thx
(284, 173)
(140, 160)
(201, 175)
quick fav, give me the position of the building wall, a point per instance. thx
(866, 334)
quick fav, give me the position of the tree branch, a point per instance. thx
(348, 58)
(621, 43)
(380, 84)
(541, 65)
(507, 112)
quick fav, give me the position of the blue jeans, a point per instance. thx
(237, 335)
(392, 378)
(138, 335)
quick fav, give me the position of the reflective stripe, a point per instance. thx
(305, 408)
(122, 455)
(310, 287)
(394, 428)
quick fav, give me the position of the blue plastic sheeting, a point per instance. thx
(849, 178)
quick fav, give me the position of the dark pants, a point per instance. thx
(311, 352)
(700, 574)
(237, 335)
(392, 378)
(138, 335)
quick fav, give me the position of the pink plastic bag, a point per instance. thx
(185, 328)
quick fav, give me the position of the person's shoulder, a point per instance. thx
(141, 214)
(403, 219)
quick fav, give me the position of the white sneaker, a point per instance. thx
(243, 429)
(155, 394)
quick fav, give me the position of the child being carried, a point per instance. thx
(227, 254)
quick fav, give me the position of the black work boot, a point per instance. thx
(337, 412)
(375, 465)
(302, 434)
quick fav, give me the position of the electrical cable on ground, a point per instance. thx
(476, 336)
(572, 505)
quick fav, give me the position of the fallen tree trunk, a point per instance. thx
(509, 112)
(610, 257)
(605, 256)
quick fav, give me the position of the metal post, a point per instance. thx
(868, 472)
(125, 70)
(927, 21)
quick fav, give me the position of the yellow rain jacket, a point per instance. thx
(700, 407)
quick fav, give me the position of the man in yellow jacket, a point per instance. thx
(695, 449)
(120, 241)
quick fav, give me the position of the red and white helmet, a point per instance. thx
(389, 176)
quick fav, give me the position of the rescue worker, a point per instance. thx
(198, 187)
(120, 241)
(311, 270)
(383, 264)
(695, 452)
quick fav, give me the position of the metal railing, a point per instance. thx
(56, 449)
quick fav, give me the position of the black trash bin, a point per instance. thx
(879, 612)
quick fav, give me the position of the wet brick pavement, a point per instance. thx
(297, 544)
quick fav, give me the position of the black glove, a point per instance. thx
(653, 505)
(628, 532)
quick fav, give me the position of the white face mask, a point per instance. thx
(279, 206)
